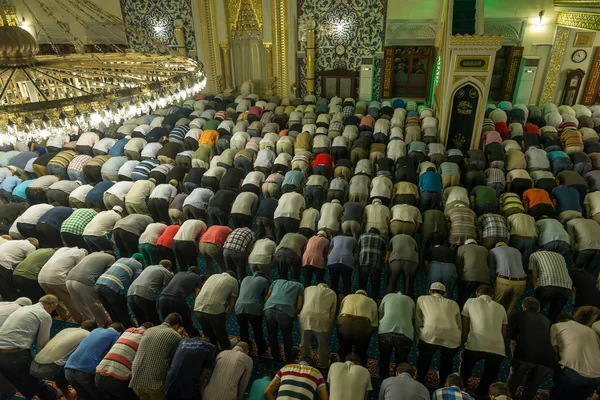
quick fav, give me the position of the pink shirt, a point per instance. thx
(315, 250)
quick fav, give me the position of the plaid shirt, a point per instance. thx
(450, 393)
(348, 111)
(77, 222)
(239, 239)
(551, 268)
(372, 249)
(492, 225)
(79, 162)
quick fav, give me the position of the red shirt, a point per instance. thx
(216, 234)
(323, 159)
(532, 128)
(166, 239)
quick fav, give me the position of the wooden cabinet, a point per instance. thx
(339, 82)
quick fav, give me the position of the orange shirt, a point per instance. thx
(216, 234)
(537, 196)
(166, 239)
(209, 137)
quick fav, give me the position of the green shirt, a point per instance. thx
(77, 222)
(258, 388)
(284, 295)
(484, 195)
(398, 312)
(30, 267)
(211, 124)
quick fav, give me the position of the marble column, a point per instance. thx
(227, 66)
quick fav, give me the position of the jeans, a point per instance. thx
(534, 374)
(98, 243)
(354, 332)
(215, 327)
(314, 196)
(366, 271)
(389, 342)
(143, 309)
(406, 268)
(264, 226)
(556, 297)
(430, 201)
(570, 385)
(168, 305)
(257, 327)
(588, 260)
(113, 388)
(525, 245)
(84, 383)
(444, 273)
(490, 370)
(279, 320)
(345, 272)
(426, 353)
(558, 246)
(287, 260)
(115, 305)
(186, 253)
(15, 368)
(309, 271)
(236, 261)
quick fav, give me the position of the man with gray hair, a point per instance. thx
(231, 374)
(19, 331)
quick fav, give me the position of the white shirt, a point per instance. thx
(120, 189)
(105, 144)
(88, 139)
(14, 251)
(81, 192)
(245, 203)
(151, 149)
(255, 178)
(318, 311)
(102, 224)
(578, 346)
(348, 381)
(191, 229)
(381, 186)
(57, 140)
(6, 309)
(56, 269)
(290, 205)
(592, 199)
(331, 213)
(164, 191)
(456, 193)
(23, 326)
(487, 318)
(263, 252)
(152, 233)
(438, 321)
(33, 213)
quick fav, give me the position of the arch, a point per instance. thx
(464, 114)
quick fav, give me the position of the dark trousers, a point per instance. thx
(309, 271)
(98, 243)
(426, 353)
(526, 247)
(241, 220)
(278, 320)
(192, 212)
(15, 368)
(27, 230)
(569, 385)
(264, 226)
(113, 388)
(556, 297)
(36, 195)
(168, 305)
(29, 288)
(166, 253)
(257, 327)
(287, 260)
(51, 372)
(492, 363)
(159, 210)
(127, 242)
(366, 271)
(466, 289)
(84, 383)
(7, 287)
(48, 236)
(406, 268)
(216, 216)
(388, 343)
(354, 332)
(92, 173)
(345, 272)
(214, 326)
(143, 309)
(534, 375)
(285, 225)
(115, 305)
(72, 240)
(236, 261)
(314, 196)
(539, 210)
(586, 259)
(186, 254)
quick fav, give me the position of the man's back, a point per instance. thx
(193, 355)
(348, 381)
(230, 376)
(402, 387)
(299, 382)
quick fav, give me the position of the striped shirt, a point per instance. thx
(155, 352)
(551, 268)
(462, 224)
(120, 275)
(77, 221)
(63, 158)
(494, 175)
(299, 382)
(178, 134)
(142, 170)
(230, 376)
(492, 225)
(510, 200)
(117, 362)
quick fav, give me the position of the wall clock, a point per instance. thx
(579, 56)
(340, 49)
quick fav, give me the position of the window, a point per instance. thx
(412, 71)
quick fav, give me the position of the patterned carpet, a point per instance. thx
(262, 364)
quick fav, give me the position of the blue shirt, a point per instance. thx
(120, 275)
(183, 378)
(450, 393)
(96, 194)
(294, 178)
(55, 216)
(258, 388)
(557, 154)
(252, 293)
(19, 190)
(430, 182)
(284, 295)
(118, 149)
(10, 183)
(342, 251)
(92, 349)
(567, 199)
